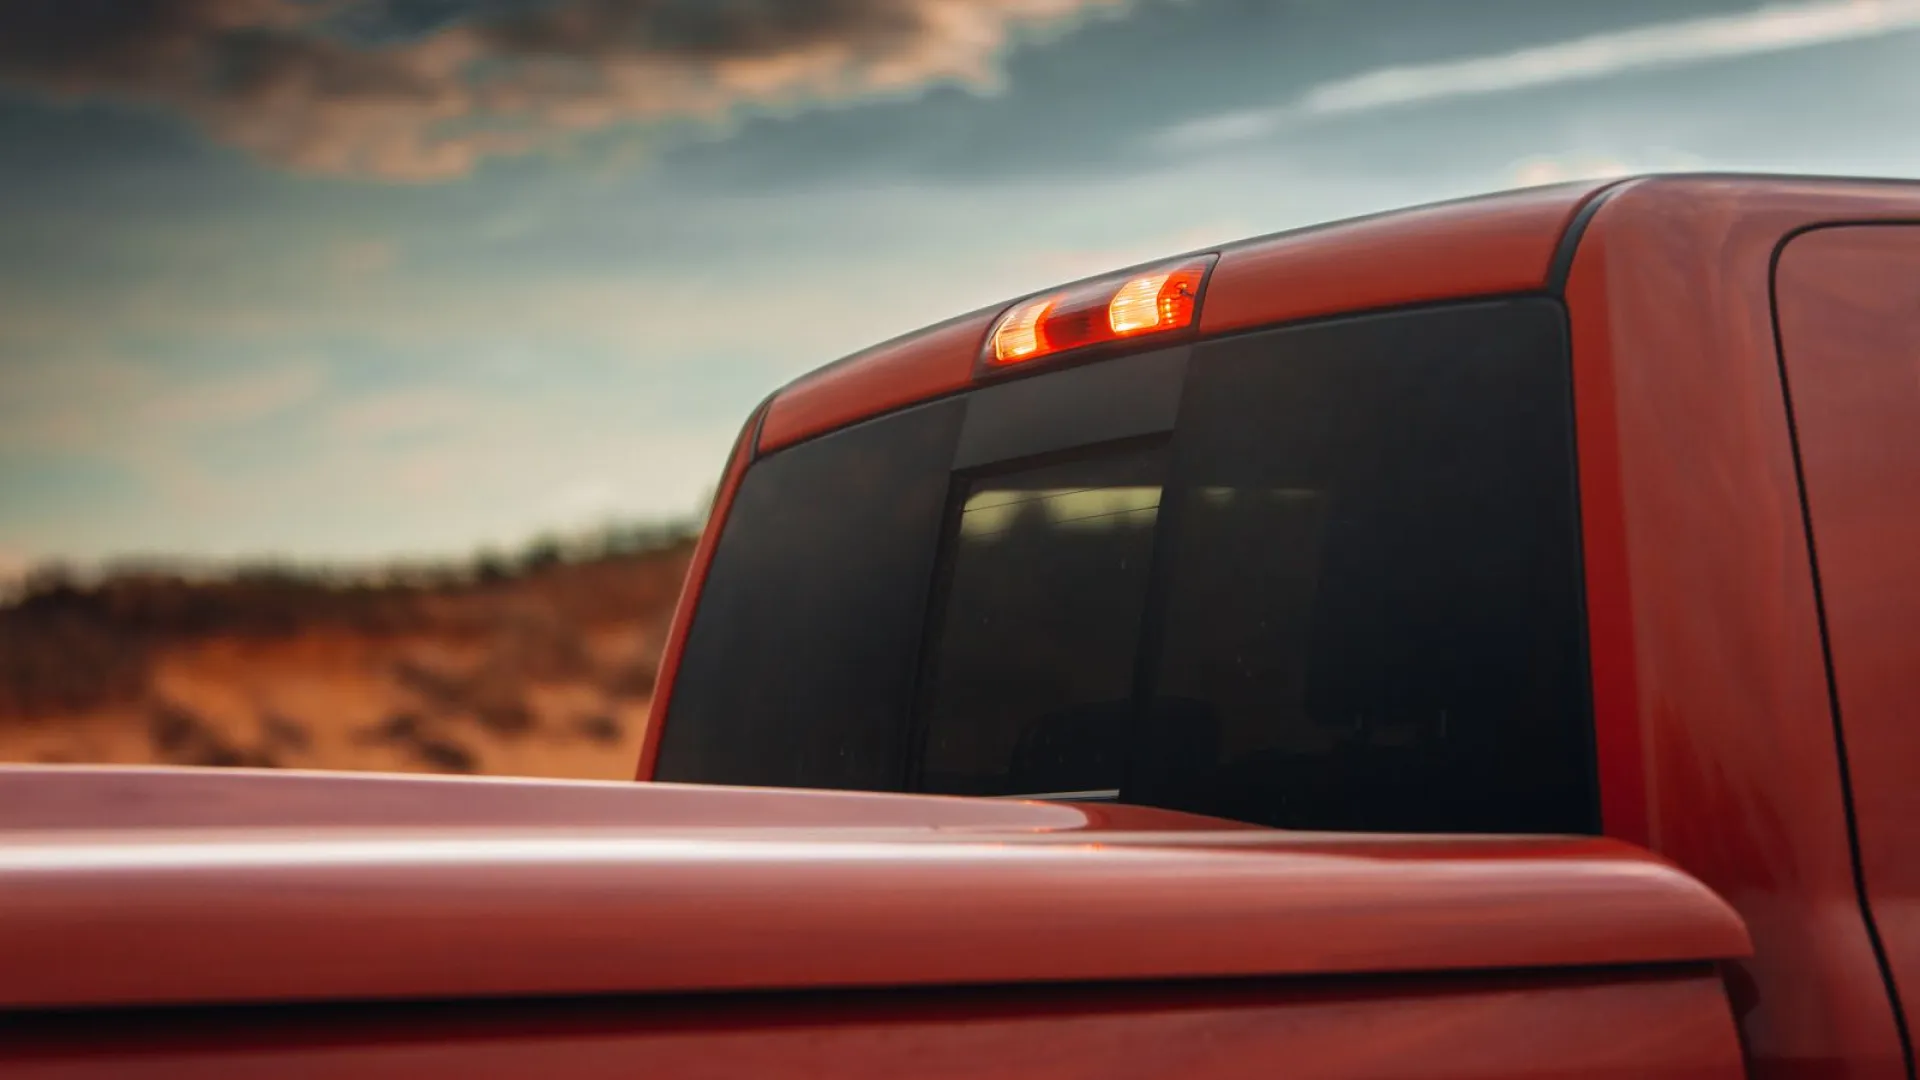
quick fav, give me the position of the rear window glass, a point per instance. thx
(800, 661)
(1343, 593)
(1030, 679)
(1374, 605)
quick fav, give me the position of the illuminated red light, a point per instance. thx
(1108, 310)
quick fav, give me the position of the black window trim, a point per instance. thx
(1123, 398)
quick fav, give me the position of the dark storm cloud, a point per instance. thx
(421, 89)
(699, 32)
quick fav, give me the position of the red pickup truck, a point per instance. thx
(1475, 641)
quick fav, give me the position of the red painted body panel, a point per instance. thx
(1474, 247)
(44, 798)
(1669, 1026)
(1477, 247)
(1849, 306)
(926, 364)
(1710, 685)
(135, 912)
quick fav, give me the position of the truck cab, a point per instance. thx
(1587, 510)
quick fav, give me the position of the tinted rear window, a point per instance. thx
(800, 660)
(1029, 682)
(1373, 609)
(1343, 591)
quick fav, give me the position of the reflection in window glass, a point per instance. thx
(1030, 672)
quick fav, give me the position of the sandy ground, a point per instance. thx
(339, 703)
(549, 676)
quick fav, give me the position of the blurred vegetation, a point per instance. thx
(72, 641)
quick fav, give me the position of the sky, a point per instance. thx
(349, 280)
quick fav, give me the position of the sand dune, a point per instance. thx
(546, 672)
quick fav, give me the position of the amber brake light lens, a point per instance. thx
(1019, 336)
(1108, 310)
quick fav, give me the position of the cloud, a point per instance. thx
(104, 405)
(244, 398)
(1548, 169)
(583, 498)
(1538, 171)
(1067, 264)
(69, 406)
(1772, 29)
(412, 411)
(362, 258)
(138, 421)
(281, 78)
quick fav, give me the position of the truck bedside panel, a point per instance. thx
(1657, 1026)
(269, 912)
